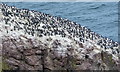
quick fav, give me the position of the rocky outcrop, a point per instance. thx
(32, 54)
(31, 40)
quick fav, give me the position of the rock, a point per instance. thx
(34, 43)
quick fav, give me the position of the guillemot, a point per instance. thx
(38, 24)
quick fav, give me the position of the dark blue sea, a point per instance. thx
(100, 17)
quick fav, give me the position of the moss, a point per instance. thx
(4, 65)
(107, 59)
(0, 66)
(72, 62)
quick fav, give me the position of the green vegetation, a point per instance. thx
(4, 66)
(0, 66)
(107, 59)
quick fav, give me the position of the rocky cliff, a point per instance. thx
(31, 40)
